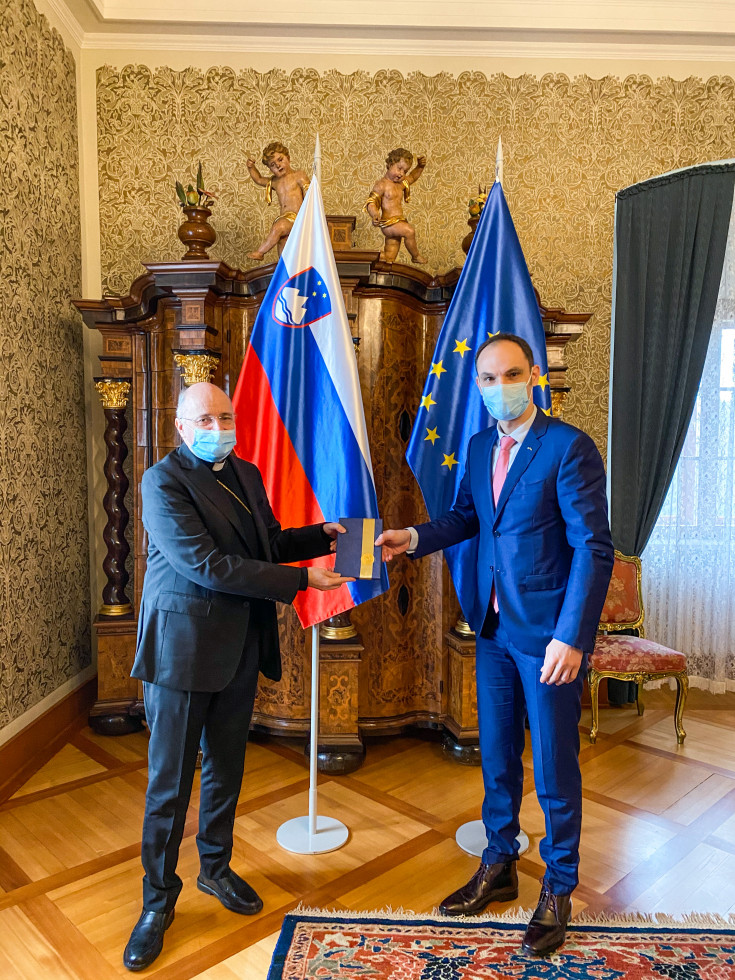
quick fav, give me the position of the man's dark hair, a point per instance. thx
(514, 339)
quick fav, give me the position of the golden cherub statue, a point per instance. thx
(290, 187)
(385, 204)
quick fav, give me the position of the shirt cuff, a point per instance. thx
(414, 542)
(304, 583)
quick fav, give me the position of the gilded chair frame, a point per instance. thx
(639, 678)
(682, 690)
(638, 623)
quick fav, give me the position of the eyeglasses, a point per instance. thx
(207, 421)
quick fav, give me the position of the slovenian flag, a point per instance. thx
(299, 410)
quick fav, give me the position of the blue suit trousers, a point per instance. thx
(508, 687)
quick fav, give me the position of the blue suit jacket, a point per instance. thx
(546, 546)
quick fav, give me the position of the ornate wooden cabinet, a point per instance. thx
(401, 662)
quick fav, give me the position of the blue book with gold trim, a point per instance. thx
(356, 556)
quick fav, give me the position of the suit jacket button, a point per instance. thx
(497, 534)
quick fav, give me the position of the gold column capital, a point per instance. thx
(113, 392)
(558, 396)
(196, 367)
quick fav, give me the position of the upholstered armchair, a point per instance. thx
(632, 658)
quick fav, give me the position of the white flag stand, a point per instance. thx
(471, 837)
(313, 834)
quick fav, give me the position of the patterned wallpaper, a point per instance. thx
(569, 144)
(44, 561)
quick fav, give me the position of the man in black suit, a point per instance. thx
(207, 625)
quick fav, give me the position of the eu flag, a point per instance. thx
(494, 294)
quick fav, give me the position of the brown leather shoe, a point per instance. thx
(490, 883)
(547, 929)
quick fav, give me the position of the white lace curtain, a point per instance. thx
(689, 561)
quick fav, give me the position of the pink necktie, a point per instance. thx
(501, 471)
(501, 467)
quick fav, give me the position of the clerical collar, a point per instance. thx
(214, 467)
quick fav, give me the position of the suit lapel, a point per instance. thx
(526, 452)
(247, 491)
(205, 483)
(487, 482)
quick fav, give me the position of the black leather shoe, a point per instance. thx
(490, 883)
(234, 893)
(146, 939)
(547, 929)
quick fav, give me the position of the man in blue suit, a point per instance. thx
(534, 491)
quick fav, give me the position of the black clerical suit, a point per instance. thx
(207, 625)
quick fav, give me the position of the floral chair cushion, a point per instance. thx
(631, 654)
(622, 604)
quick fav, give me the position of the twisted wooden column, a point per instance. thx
(114, 394)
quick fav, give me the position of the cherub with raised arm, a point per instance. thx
(385, 204)
(290, 187)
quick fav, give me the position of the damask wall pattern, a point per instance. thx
(569, 145)
(44, 561)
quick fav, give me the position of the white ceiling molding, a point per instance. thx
(493, 45)
(651, 30)
(695, 16)
(60, 9)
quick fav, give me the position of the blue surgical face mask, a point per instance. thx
(506, 402)
(213, 445)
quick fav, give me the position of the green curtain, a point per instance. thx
(670, 238)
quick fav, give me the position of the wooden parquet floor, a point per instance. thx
(658, 836)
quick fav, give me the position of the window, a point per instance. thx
(689, 561)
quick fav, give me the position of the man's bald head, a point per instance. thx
(204, 406)
(201, 399)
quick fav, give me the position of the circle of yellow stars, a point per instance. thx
(461, 347)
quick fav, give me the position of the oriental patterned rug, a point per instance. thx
(394, 946)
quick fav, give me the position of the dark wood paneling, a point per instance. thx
(408, 672)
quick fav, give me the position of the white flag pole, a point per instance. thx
(498, 162)
(313, 834)
(313, 747)
(318, 159)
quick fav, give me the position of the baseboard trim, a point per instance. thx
(31, 748)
